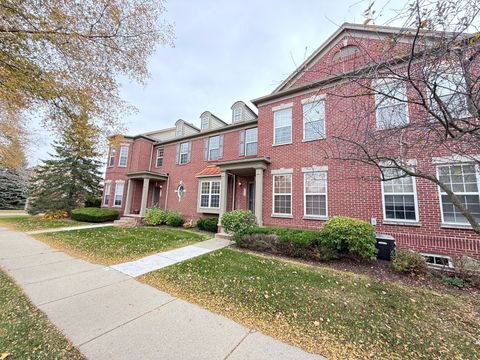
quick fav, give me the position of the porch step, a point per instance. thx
(126, 222)
(223, 236)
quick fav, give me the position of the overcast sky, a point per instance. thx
(227, 51)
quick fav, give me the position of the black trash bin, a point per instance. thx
(385, 245)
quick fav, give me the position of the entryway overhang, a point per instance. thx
(145, 174)
(250, 166)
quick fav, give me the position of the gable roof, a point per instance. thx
(372, 30)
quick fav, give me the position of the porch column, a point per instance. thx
(143, 206)
(259, 195)
(128, 202)
(223, 194)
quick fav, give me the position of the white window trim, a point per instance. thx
(213, 148)
(156, 159)
(465, 225)
(383, 81)
(319, 137)
(120, 155)
(209, 209)
(108, 184)
(250, 142)
(309, 216)
(233, 114)
(205, 120)
(115, 193)
(274, 214)
(110, 163)
(450, 262)
(180, 153)
(415, 200)
(275, 128)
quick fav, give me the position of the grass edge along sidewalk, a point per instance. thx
(25, 331)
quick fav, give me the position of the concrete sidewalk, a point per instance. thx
(69, 228)
(108, 314)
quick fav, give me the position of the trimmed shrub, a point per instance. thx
(174, 218)
(348, 235)
(238, 221)
(93, 201)
(304, 244)
(208, 224)
(156, 216)
(409, 262)
(94, 214)
(56, 215)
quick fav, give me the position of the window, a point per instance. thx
(179, 130)
(399, 196)
(438, 260)
(210, 194)
(184, 155)
(251, 140)
(123, 156)
(117, 201)
(205, 122)
(449, 87)
(237, 114)
(111, 159)
(314, 120)
(463, 180)
(315, 189)
(282, 194)
(391, 104)
(159, 157)
(106, 196)
(282, 126)
(214, 148)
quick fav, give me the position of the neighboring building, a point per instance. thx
(273, 164)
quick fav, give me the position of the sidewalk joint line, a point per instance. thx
(236, 346)
(126, 322)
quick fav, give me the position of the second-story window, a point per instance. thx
(391, 104)
(237, 114)
(159, 157)
(314, 120)
(282, 120)
(183, 152)
(111, 157)
(123, 156)
(214, 148)
(248, 142)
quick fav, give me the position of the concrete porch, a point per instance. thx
(150, 185)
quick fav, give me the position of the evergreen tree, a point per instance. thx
(72, 174)
(12, 190)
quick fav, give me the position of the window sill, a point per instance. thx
(282, 216)
(401, 223)
(289, 143)
(117, 206)
(208, 210)
(122, 166)
(456, 226)
(310, 140)
(320, 218)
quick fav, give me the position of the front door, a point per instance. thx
(251, 196)
(156, 196)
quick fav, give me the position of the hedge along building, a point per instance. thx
(276, 164)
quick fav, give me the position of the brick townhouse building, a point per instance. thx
(273, 164)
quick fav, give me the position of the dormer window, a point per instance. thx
(205, 122)
(237, 114)
(179, 130)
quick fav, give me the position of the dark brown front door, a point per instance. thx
(251, 196)
(156, 196)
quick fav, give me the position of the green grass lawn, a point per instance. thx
(340, 315)
(113, 245)
(25, 332)
(32, 223)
